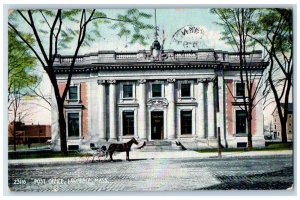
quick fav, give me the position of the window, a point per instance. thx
(156, 90)
(186, 122)
(241, 121)
(185, 90)
(241, 145)
(73, 124)
(128, 123)
(239, 89)
(73, 147)
(275, 127)
(73, 92)
(127, 91)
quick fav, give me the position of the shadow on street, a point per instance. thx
(261, 181)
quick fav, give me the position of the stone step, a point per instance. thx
(160, 145)
(159, 149)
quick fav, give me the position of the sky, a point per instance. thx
(169, 21)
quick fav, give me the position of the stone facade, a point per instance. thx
(174, 95)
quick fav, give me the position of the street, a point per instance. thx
(185, 174)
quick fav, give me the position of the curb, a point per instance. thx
(192, 155)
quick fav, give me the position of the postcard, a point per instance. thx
(150, 99)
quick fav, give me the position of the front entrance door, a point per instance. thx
(157, 125)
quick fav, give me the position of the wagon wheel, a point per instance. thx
(102, 156)
(95, 157)
(85, 158)
(98, 156)
(78, 156)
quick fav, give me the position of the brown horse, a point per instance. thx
(121, 148)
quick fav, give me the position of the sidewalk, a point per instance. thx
(136, 155)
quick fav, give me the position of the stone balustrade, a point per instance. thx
(166, 56)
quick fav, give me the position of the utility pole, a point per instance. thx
(219, 144)
(218, 114)
(39, 132)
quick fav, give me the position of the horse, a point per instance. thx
(121, 148)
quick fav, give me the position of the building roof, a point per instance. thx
(168, 59)
(290, 108)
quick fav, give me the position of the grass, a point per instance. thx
(281, 146)
(270, 147)
(41, 154)
(24, 147)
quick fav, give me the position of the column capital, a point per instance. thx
(205, 80)
(112, 81)
(141, 81)
(201, 80)
(100, 81)
(211, 79)
(171, 80)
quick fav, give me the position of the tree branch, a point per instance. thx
(30, 46)
(37, 37)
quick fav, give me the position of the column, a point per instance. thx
(171, 109)
(259, 115)
(210, 110)
(201, 118)
(102, 110)
(142, 110)
(258, 136)
(112, 110)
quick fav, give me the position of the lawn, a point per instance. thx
(270, 147)
(32, 146)
(41, 154)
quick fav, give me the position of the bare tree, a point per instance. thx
(237, 24)
(38, 93)
(21, 66)
(55, 23)
(14, 107)
(274, 32)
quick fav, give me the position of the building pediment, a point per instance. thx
(158, 103)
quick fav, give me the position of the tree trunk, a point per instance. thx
(14, 136)
(283, 131)
(249, 127)
(282, 113)
(62, 127)
(284, 118)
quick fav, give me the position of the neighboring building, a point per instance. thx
(155, 95)
(29, 133)
(289, 123)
